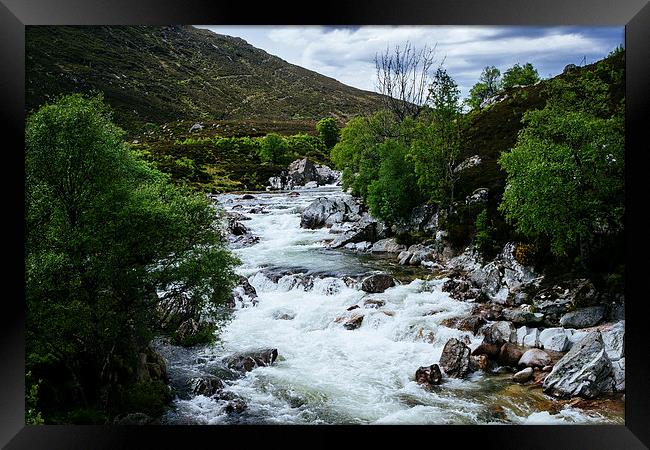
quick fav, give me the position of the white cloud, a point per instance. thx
(347, 54)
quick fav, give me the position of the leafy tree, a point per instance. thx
(436, 148)
(328, 131)
(104, 233)
(394, 194)
(488, 86)
(565, 177)
(273, 149)
(519, 75)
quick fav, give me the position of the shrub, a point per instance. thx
(328, 131)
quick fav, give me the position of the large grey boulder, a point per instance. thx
(207, 385)
(363, 230)
(455, 359)
(326, 211)
(388, 245)
(618, 373)
(584, 371)
(528, 337)
(614, 339)
(583, 317)
(535, 357)
(499, 333)
(559, 299)
(523, 375)
(245, 362)
(555, 339)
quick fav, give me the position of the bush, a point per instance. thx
(328, 131)
(273, 149)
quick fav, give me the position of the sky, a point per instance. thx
(347, 53)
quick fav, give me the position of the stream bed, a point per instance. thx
(327, 374)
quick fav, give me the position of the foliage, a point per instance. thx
(273, 149)
(526, 254)
(436, 147)
(32, 415)
(487, 86)
(328, 131)
(519, 76)
(105, 231)
(565, 176)
(483, 239)
(394, 193)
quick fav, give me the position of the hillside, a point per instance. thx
(160, 74)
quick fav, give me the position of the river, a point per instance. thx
(327, 374)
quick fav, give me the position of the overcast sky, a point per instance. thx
(347, 53)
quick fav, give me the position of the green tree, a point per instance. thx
(329, 131)
(487, 86)
(565, 177)
(436, 148)
(273, 149)
(104, 233)
(394, 193)
(519, 75)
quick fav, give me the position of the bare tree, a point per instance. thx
(403, 77)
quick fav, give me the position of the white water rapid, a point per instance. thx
(327, 374)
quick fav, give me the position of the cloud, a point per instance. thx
(347, 53)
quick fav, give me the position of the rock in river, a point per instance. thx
(376, 284)
(583, 317)
(428, 375)
(584, 371)
(455, 359)
(207, 386)
(535, 358)
(499, 333)
(245, 362)
(523, 375)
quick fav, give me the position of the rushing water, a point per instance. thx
(328, 374)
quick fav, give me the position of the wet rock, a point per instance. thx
(293, 194)
(528, 337)
(535, 358)
(510, 354)
(373, 303)
(618, 375)
(363, 230)
(489, 350)
(419, 253)
(584, 371)
(186, 330)
(245, 362)
(236, 228)
(557, 300)
(388, 245)
(353, 307)
(353, 322)
(455, 359)
(614, 340)
(555, 339)
(283, 315)
(376, 284)
(327, 211)
(523, 317)
(235, 407)
(523, 375)
(479, 362)
(207, 385)
(499, 333)
(244, 294)
(471, 323)
(248, 197)
(583, 317)
(428, 375)
(404, 257)
(236, 216)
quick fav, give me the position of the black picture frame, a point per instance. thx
(16, 14)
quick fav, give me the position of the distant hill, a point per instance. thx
(161, 74)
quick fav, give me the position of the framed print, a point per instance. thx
(238, 219)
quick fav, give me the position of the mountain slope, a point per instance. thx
(165, 73)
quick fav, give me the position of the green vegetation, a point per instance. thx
(273, 149)
(328, 131)
(519, 76)
(105, 231)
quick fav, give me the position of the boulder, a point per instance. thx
(245, 362)
(428, 375)
(363, 230)
(471, 323)
(373, 303)
(388, 245)
(326, 211)
(378, 283)
(535, 358)
(186, 330)
(510, 354)
(584, 371)
(244, 294)
(618, 374)
(555, 339)
(236, 406)
(404, 257)
(521, 316)
(523, 375)
(455, 359)
(583, 317)
(528, 337)
(489, 350)
(479, 362)
(559, 299)
(614, 340)
(354, 321)
(480, 195)
(208, 385)
(499, 332)
(248, 197)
